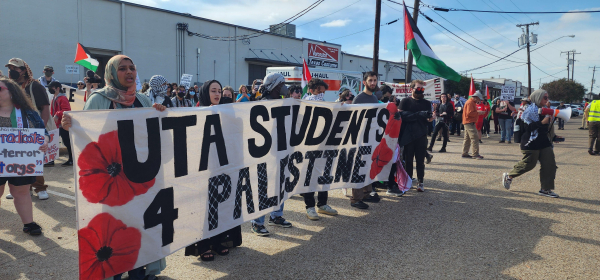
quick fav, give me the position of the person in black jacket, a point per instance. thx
(416, 115)
(536, 145)
(445, 113)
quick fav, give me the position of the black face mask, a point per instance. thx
(418, 95)
(226, 100)
(13, 74)
(181, 94)
(419, 91)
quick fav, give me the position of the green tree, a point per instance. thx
(564, 90)
(461, 87)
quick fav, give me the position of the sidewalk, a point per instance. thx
(465, 226)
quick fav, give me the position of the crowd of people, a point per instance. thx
(20, 93)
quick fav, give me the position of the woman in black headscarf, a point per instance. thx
(211, 94)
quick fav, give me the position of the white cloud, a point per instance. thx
(570, 18)
(336, 23)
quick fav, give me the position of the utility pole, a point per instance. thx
(376, 39)
(592, 87)
(528, 39)
(573, 67)
(409, 63)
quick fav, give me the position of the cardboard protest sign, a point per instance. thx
(433, 89)
(149, 183)
(20, 153)
(53, 146)
(508, 93)
(186, 80)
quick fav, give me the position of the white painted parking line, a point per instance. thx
(61, 194)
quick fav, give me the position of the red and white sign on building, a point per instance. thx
(319, 55)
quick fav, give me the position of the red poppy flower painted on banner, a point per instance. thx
(382, 155)
(394, 123)
(101, 176)
(107, 247)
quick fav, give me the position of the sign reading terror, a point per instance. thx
(150, 183)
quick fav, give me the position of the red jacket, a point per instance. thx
(59, 105)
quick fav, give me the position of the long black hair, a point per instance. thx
(17, 94)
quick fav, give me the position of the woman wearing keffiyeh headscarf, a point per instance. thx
(536, 145)
(158, 91)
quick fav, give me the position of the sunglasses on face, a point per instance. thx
(80, 84)
(3, 88)
(545, 97)
(419, 89)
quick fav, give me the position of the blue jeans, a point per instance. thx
(261, 221)
(506, 129)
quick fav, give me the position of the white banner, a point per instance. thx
(433, 89)
(508, 93)
(186, 80)
(20, 153)
(149, 183)
(53, 146)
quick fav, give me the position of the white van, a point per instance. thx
(337, 80)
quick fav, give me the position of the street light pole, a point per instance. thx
(376, 39)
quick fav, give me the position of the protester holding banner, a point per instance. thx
(416, 115)
(316, 90)
(346, 97)
(366, 193)
(20, 72)
(211, 95)
(60, 104)
(158, 91)
(13, 106)
(120, 93)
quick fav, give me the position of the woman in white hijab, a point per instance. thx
(536, 145)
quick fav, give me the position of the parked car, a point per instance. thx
(578, 108)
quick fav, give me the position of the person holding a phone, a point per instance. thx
(505, 119)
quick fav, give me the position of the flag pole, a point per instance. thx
(410, 56)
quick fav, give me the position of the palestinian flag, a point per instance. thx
(305, 77)
(424, 57)
(83, 58)
(472, 88)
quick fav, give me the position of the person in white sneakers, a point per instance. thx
(316, 89)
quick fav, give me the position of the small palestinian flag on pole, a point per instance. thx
(424, 56)
(472, 88)
(83, 58)
(305, 77)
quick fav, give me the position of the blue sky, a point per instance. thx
(498, 35)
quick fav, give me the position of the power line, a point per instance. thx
(260, 32)
(430, 19)
(518, 9)
(501, 69)
(485, 23)
(544, 71)
(554, 74)
(499, 12)
(391, 22)
(474, 37)
(329, 14)
(493, 62)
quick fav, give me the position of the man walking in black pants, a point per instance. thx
(416, 114)
(445, 115)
